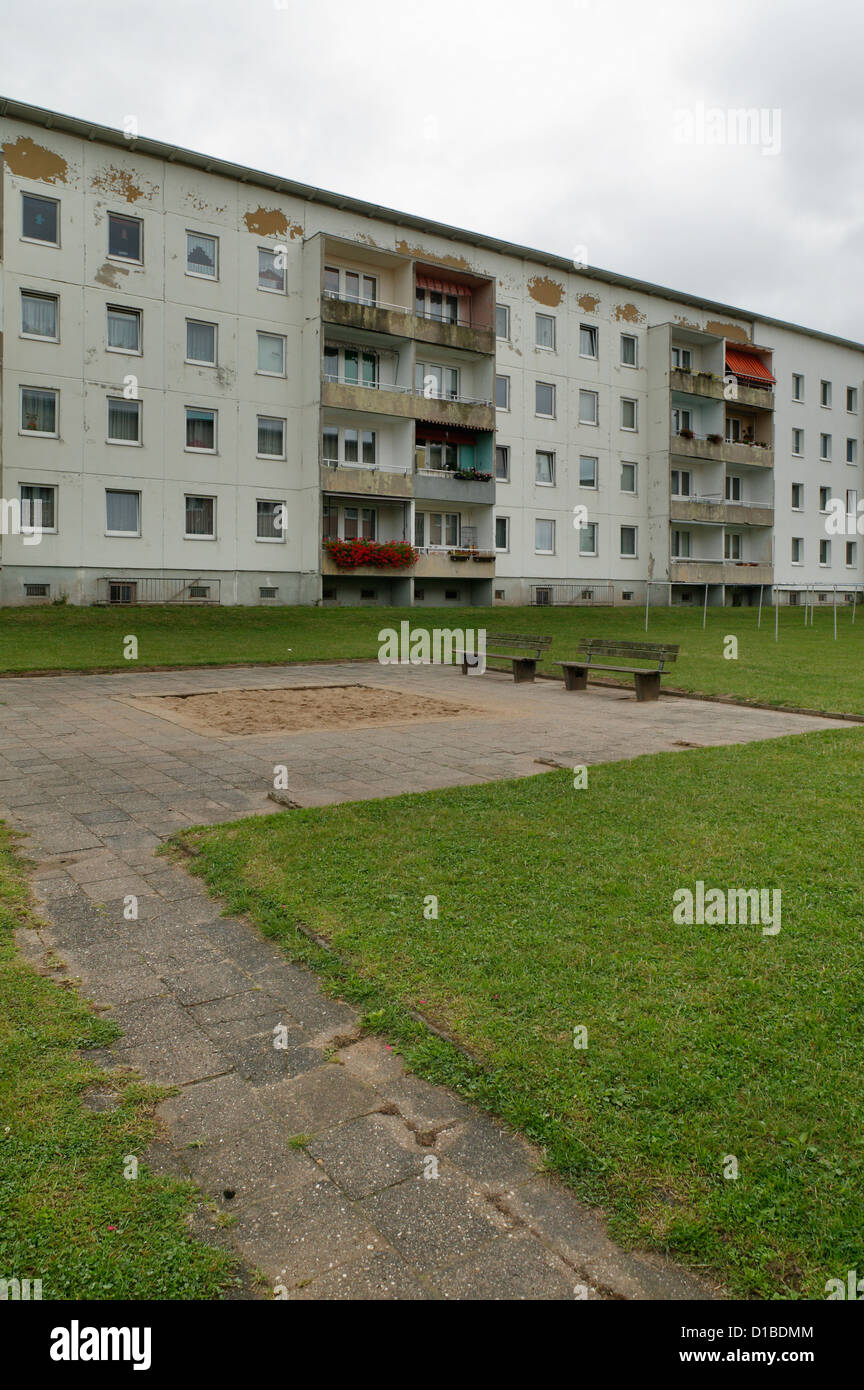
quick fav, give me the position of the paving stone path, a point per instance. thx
(357, 1210)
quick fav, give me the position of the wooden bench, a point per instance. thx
(647, 678)
(527, 649)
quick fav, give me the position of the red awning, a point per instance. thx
(426, 282)
(748, 365)
(443, 434)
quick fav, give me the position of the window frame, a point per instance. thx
(798, 377)
(797, 452)
(193, 448)
(138, 315)
(500, 377)
(546, 319)
(546, 521)
(590, 458)
(132, 492)
(629, 338)
(542, 414)
(37, 240)
(595, 397)
(39, 434)
(796, 547)
(627, 492)
(46, 487)
(197, 361)
(203, 497)
(626, 555)
(594, 336)
(39, 337)
(594, 551)
(634, 402)
(283, 339)
(505, 309)
(269, 289)
(505, 451)
(217, 267)
(502, 549)
(284, 423)
(852, 395)
(826, 394)
(544, 454)
(116, 255)
(139, 415)
(282, 538)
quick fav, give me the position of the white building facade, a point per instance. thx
(210, 377)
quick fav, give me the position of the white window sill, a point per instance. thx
(267, 289)
(124, 352)
(125, 535)
(38, 338)
(191, 362)
(126, 443)
(37, 434)
(199, 538)
(281, 375)
(190, 449)
(280, 458)
(270, 540)
(38, 241)
(196, 275)
(124, 260)
(592, 423)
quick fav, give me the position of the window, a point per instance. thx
(502, 533)
(122, 592)
(587, 471)
(124, 330)
(502, 321)
(797, 386)
(824, 498)
(201, 343)
(629, 413)
(271, 437)
(851, 554)
(270, 520)
(358, 523)
(682, 420)
(122, 513)
(544, 468)
(544, 399)
(544, 537)
(681, 545)
(736, 430)
(124, 421)
(271, 354)
(271, 271)
(629, 536)
(436, 382)
(437, 304)
(732, 545)
(502, 393)
(436, 457)
(681, 358)
(825, 393)
(824, 553)
(852, 399)
(733, 488)
(37, 590)
(798, 442)
(588, 407)
(39, 315)
(202, 256)
(350, 285)
(587, 341)
(201, 429)
(200, 518)
(40, 219)
(38, 411)
(628, 477)
(544, 331)
(38, 506)
(588, 538)
(680, 482)
(502, 463)
(825, 447)
(358, 447)
(797, 550)
(330, 446)
(350, 366)
(797, 497)
(443, 528)
(629, 350)
(851, 450)
(851, 501)
(124, 237)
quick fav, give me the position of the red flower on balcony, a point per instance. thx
(383, 555)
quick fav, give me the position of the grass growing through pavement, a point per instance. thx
(555, 910)
(69, 1217)
(805, 668)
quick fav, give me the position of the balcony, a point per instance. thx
(448, 486)
(400, 321)
(405, 402)
(753, 455)
(692, 571)
(713, 387)
(455, 564)
(357, 481)
(714, 511)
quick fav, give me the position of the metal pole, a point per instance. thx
(835, 612)
(705, 609)
(854, 604)
(759, 620)
(647, 592)
(776, 616)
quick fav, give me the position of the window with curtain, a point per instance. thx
(330, 519)
(201, 342)
(201, 255)
(124, 237)
(200, 429)
(200, 516)
(271, 270)
(350, 523)
(330, 442)
(271, 354)
(270, 516)
(124, 421)
(544, 536)
(39, 218)
(37, 506)
(271, 436)
(39, 315)
(38, 411)
(124, 329)
(122, 512)
(544, 467)
(544, 398)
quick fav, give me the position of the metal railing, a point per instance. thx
(157, 589)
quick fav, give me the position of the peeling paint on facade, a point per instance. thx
(200, 206)
(31, 161)
(687, 323)
(439, 257)
(107, 274)
(628, 313)
(271, 222)
(364, 236)
(545, 291)
(121, 183)
(588, 303)
(728, 330)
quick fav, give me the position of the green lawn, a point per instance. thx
(555, 911)
(68, 1216)
(806, 668)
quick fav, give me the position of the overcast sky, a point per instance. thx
(561, 124)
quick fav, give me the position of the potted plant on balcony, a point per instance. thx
(385, 555)
(686, 434)
(714, 438)
(460, 554)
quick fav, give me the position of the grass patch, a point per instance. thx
(69, 1216)
(806, 668)
(555, 910)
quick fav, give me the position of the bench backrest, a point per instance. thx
(644, 651)
(519, 641)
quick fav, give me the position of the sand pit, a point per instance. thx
(302, 708)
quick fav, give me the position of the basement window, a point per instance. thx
(119, 592)
(199, 591)
(451, 593)
(266, 592)
(420, 594)
(368, 593)
(36, 590)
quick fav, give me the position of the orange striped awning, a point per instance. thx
(748, 366)
(427, 282)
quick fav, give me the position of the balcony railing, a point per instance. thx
(366, 302)
(461, 319)
(337, 380)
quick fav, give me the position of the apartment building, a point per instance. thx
(219, 386)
